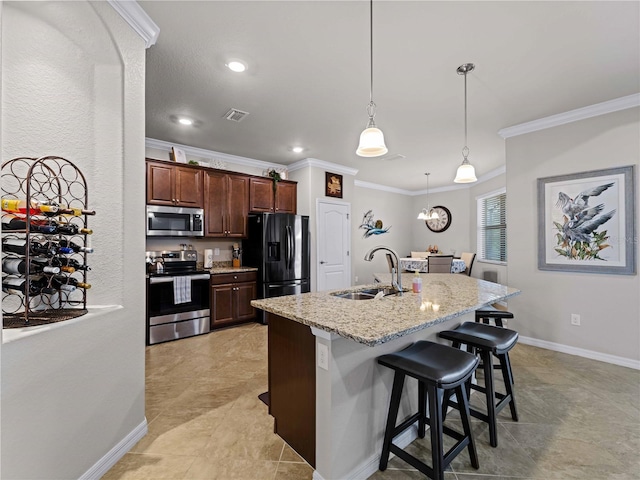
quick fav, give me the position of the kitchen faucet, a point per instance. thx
(397, 282)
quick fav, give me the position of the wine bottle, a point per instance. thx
(68, 283)
(71, 229)
(19, 266)
(66, 262)
(74, 246)
(74, 211)
(11, 222)
(32, 286)
(19, 246)
(36, 207)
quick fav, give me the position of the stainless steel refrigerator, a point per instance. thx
(278, 245)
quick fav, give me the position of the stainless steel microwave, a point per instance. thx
(174, 221)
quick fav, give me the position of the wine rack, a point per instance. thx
(50, 180)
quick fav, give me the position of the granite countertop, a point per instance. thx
(230, 269)
(373, 322)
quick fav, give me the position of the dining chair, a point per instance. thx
(468, 259)
(440, 263)
(419, 254)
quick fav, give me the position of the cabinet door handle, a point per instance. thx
(322, 262)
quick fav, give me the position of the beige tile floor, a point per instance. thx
(579, 419)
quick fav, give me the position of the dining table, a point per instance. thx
(422, 265)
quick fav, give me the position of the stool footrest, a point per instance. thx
(411, 460)
(406, 424)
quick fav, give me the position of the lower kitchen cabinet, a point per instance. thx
(231, 295)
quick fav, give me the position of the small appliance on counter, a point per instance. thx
(177, 296)
(236, 255)
(208, 258)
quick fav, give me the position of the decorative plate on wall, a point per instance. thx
(441, 223)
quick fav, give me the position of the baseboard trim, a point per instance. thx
(581, 352)
(102, 466)
(370, 466)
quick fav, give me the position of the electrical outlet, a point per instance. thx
(356, 279)
(575, 319)
(216, 251)
(323, 356)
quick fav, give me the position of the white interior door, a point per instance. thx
(334, 243)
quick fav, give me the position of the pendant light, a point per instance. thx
(466, 173)
(371, 138)
(428, 213)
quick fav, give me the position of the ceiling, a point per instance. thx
(308, 75)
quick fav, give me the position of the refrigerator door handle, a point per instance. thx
(290, 246)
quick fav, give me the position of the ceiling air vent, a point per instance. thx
(235, 115)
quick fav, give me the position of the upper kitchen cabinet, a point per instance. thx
(263, 198)
(226, 204)
(169, 184)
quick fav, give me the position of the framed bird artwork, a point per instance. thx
(586, 222)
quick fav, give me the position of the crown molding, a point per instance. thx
(622, 103)
(201, 152)
(138, 19)
(314, 162)
(448, 188)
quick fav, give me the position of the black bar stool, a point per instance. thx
(488, 340)
(486, 314)
(438, 369)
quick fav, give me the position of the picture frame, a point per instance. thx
(586, 222)
(178, 155)
(333, 185)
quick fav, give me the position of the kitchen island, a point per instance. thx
(328, 395)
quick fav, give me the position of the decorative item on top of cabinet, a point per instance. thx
(231, 295)
(262, 197)
(171, 184)
(44, 241)
(226, 204)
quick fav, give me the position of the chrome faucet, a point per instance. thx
(397, 282)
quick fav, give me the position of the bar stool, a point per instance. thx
(485, 315)
(438, 369)
(488, 341)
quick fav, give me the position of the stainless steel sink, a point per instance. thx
(367, 294)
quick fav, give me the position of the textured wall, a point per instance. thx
(73, 85)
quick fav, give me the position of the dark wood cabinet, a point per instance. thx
(292, 384)
(231, 295)
(263, 197)
(226, 204)
(287, 197)
(169, 184)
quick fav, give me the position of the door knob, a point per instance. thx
(322, 262)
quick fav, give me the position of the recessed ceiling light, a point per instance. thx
(236, 66)
(297, 149)
(185, 121)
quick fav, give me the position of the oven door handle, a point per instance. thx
(202, 276)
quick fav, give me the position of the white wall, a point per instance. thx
(609, 305)
(395, 211)
(73, 85)
(456, 237)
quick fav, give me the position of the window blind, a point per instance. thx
(492, 227)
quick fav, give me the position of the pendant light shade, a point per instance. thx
(371, 138)
(466, 173)
(428, 213)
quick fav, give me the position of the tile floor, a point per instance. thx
(579, 419)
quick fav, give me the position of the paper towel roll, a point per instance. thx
(208, 258)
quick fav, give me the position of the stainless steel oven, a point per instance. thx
(171, 312)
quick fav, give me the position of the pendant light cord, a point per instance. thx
(465, 112)
(371, 49)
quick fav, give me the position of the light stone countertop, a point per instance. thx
(219, 270)
(373, 322)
